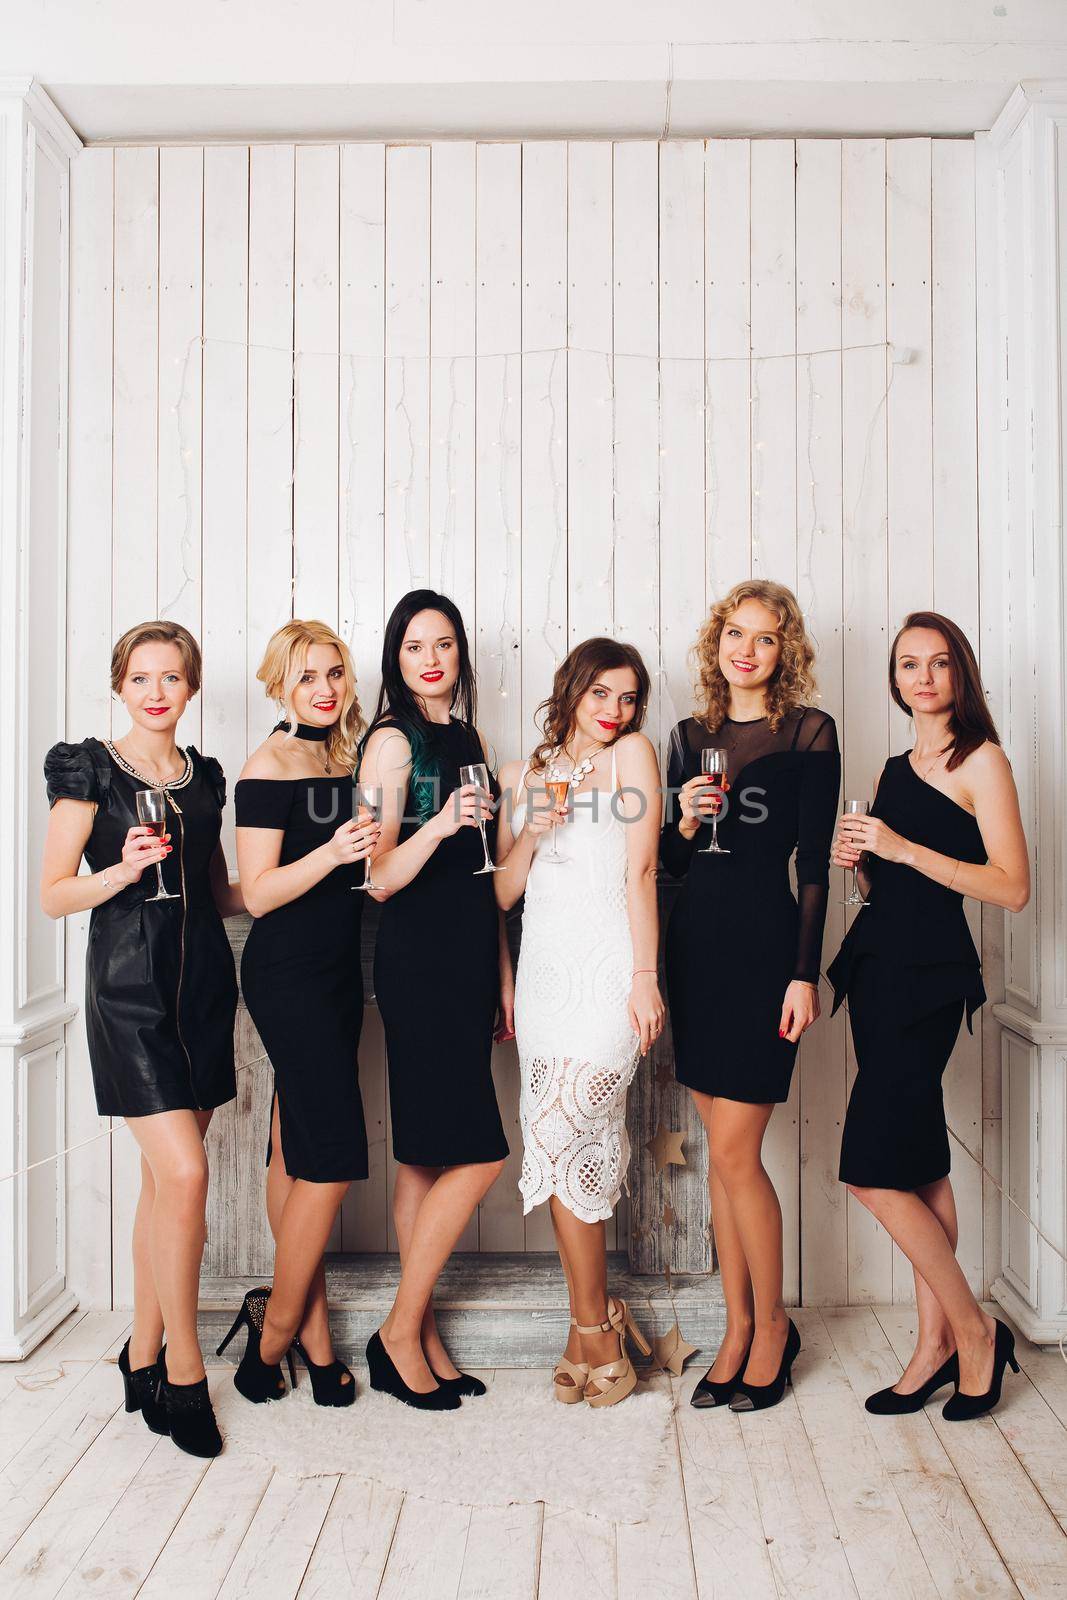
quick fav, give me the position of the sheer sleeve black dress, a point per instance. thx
(160, 988)
(737, 936)
(437, 973)
(302, 981)
(910, 969)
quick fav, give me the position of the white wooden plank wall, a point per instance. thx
(432, 427)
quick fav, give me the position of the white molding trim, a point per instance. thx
(1032, 1029)
(33, 1333)
(50, 123)
(1038, 1329)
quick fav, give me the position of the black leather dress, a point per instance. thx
(160, 986)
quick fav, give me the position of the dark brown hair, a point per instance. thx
(574, 676)
(157, 632)
(971, 723)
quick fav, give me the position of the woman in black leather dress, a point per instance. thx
(160, 992)
(300, 836)
(441, 974)
(742, 955)
(944, 823)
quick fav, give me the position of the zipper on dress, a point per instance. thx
(181, 946)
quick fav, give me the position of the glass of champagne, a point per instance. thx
(557, 788)
(856, 808)
(713, 766)
(369, 795)
(478, 774)
(152, 812)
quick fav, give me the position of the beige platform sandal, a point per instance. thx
(578, 1373)
(615, 1379)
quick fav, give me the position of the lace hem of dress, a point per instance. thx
(575, 1145)
(547, 1189)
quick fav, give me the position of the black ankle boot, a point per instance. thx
(326, 1384)
(962, 1407)
(256, 1379)
(141, 1386)
(384, 1376)
(190, 1417)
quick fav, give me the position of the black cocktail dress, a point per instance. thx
(160, 988)
(737, 936)
(437, 975)
(910, 970)
(302, 981)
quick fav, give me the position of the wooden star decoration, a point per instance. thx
(666, 1148)
(664, 1071)
(670, 1351)
(670, 1216)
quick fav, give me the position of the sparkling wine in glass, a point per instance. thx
(558, 788)
(713, 765)
(856, 808)
(371, 796)
(478, 774)
(152, 814)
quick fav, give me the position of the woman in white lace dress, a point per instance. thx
(587, 1000)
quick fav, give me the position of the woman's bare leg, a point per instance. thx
(585, 1245)
(314, 1330)
(172, 1142)
(573, 1348)
(446, 1208)
(733, 1268)
(303, 1232)
(412, 1186)
(935, 1341)
(146, 1335)
(735, 1144)
(921, 1235)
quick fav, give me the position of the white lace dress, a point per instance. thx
(577, 1051)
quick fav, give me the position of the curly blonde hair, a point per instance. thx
(283, 664)
(793, 683)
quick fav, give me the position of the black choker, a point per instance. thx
(304, 730)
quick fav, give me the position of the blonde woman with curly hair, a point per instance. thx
(300, 835)
(742, 954)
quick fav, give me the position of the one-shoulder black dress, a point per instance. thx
(910, 969)
(737, 936)
(160, 987)
(302, 981)
(437, 976)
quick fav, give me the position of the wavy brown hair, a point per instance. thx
(281, 669)
(793, 683)
(574, 677)
(971, 723)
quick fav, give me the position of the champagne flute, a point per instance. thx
(152, 812)
(856, 808)
(478, 774)
(713, 765)
(371, 796)
(558, 788)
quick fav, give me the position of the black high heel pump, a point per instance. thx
(141, 1388)
(709, 1392)
(758, 1396)
(256, 1379)
(465, 1384)
(326, 1384)
(888, 1403)
(962, 1407)
(385, 1377)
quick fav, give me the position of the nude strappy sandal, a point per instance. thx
(612, 1382)
(576, 1371)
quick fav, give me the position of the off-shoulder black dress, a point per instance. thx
(160, 988)
(910, 969)
(737, 936)
(437, 975)
(302, 981)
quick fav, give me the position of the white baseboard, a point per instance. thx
(1039, 1330)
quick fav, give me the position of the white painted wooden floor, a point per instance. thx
(812, 1498)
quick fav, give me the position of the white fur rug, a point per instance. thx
(514, 1444)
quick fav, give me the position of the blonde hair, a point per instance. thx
(157, 632)
(793, 683)
(283, 664)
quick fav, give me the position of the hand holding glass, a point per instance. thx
(713, 765)
(152, 812)
(370, 796)
(478, 774)
(558, 789)
(856, 808)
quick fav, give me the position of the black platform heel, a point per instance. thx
(465, 1385)
(326, 1385)
(141, 1387)
(888, 1403)
(759, 1396)
(709, 1393)
(256, 1379)
(190, 1416)
(962, 1407)
(385, 1377)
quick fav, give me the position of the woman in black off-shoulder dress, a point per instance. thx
(742, 954)
(944, 823)
(160, 993)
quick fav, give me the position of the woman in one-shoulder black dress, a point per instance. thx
(441, 974)
(299, 837)
(944, 823)
(160, 993)
(742, 954)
